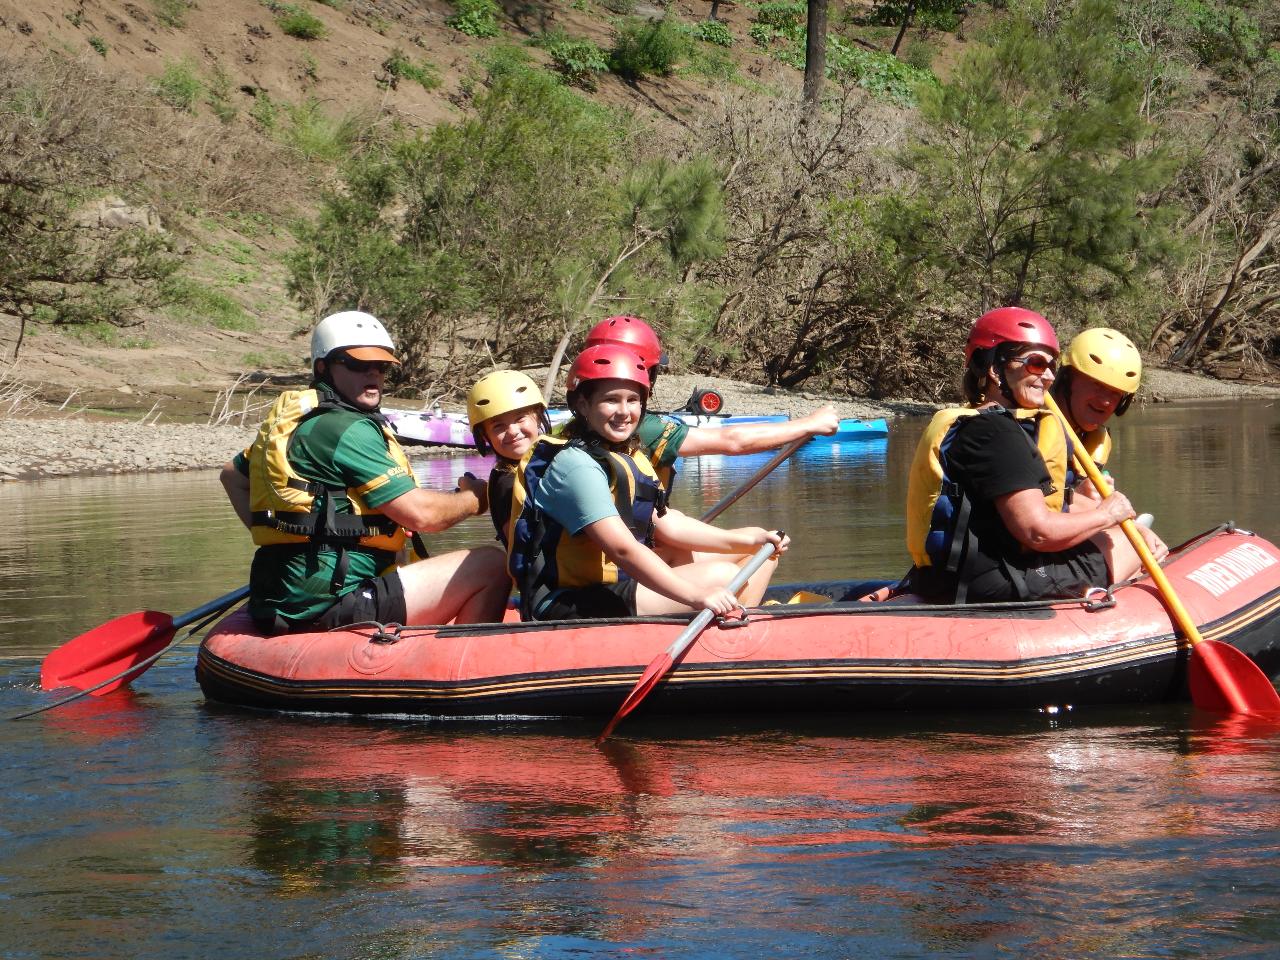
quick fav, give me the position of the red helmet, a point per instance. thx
(1009, 325)
(608, 361)
(632, 333)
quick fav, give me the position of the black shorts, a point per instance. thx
(1064, 574)
(378, 598)
(596, 602)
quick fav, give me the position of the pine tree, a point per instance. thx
(1035, 174)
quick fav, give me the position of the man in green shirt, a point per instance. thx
(328, 493)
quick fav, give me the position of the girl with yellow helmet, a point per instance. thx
(507, 414)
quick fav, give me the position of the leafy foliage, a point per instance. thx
(647, 48)
(179, 86)
(1036, 177)
(475, 18)
(296, 22)
(782, 27)
(398, 66)
(713, 32)
(482, 251)
(577, 59)
(55, 270)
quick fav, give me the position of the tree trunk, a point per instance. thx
(715, 6)
(902, 31)
(815, 53)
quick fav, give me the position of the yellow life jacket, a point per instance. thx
(1098, 443)
(543, 557)
(926, 482)
(290, 509)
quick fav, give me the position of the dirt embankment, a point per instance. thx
(46, 444)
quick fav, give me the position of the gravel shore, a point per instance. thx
(37, 446)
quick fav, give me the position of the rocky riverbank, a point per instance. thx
(42, 444)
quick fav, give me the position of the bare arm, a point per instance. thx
(757, 437)
(429, 511)
(236, 484)
(1038, 528)
(680, 530)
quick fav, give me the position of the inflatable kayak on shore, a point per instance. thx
(453, 430)
(842, 655)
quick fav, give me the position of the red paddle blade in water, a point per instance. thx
(648, 680)
(1222, 678)
(105, 651)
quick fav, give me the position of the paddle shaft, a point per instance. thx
(699, 623)
(213, 606)
(733, 497)
(1176, 609)
(666, 660)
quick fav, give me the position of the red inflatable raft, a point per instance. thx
(837, 656)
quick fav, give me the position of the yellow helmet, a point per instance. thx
(1107, 356)
(501, 392)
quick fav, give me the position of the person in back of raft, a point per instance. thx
(587, 509)
(328, 495)
(988, 502)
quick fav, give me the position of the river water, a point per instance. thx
(151, 824)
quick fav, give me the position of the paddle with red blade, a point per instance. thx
(664, 661)
(109, 650)
(1221, 678)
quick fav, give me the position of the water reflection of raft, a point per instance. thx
(840, 656)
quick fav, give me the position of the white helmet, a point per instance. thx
(361, 335)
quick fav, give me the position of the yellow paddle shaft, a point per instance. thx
(1176, 609)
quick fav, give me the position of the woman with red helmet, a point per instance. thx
(988, 511)
(665, 439)
(587, 509)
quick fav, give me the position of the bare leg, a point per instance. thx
(679, 557)
(1122, 560)
(708, 575)
(753, 592)
(466, 586)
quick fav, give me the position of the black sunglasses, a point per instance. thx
(364, 366)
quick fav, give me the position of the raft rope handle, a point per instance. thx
(389, 632)
(136, 668)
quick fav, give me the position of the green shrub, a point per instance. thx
(179, 86)
(714, 32)
(265, 111)
(398, 67)
(475, 18)
(219, 95)
(318, 136)
(621, 7)
(576, 58)
(99, 45)
(195, 302)
(172, 13)
(299, 23)
(919, 54)
(645, 48)
(711, 62)
(785, 20)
